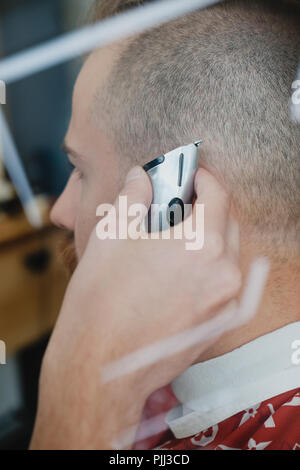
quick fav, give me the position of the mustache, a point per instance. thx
(67, 251)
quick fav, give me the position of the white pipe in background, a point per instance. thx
(84, 40)
(17, 174)
(69, 47)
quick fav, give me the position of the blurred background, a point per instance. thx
(33, 280)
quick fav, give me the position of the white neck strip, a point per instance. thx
(212, 391)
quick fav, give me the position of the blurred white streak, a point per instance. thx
(253, 291)
(68, 47)
(2, 92)
(17, 174)
(295, 101)
(231, 317)
(153, 426)
(84, 40)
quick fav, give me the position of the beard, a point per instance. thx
(67, 252)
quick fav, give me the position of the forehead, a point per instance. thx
(93, 76)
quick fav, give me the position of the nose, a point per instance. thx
(63, 213)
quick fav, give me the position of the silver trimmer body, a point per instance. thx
(172, 176)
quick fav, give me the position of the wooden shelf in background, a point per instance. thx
(13, 227)
(30, 296)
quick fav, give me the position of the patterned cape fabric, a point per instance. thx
(273, 424)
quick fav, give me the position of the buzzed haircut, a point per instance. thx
(223, 74)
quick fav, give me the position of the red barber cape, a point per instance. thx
(273, 424)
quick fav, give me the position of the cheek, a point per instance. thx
(85, 223)
(93, 193)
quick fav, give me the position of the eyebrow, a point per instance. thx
(69, 151)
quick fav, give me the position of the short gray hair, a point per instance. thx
(223, 74)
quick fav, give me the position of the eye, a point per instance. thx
(73, 169)
(70, 166)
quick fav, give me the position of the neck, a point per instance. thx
(279, 306)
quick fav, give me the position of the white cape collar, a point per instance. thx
(212, 391)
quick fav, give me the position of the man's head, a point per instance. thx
(223, 74)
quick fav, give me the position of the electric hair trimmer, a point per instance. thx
(172, 176)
